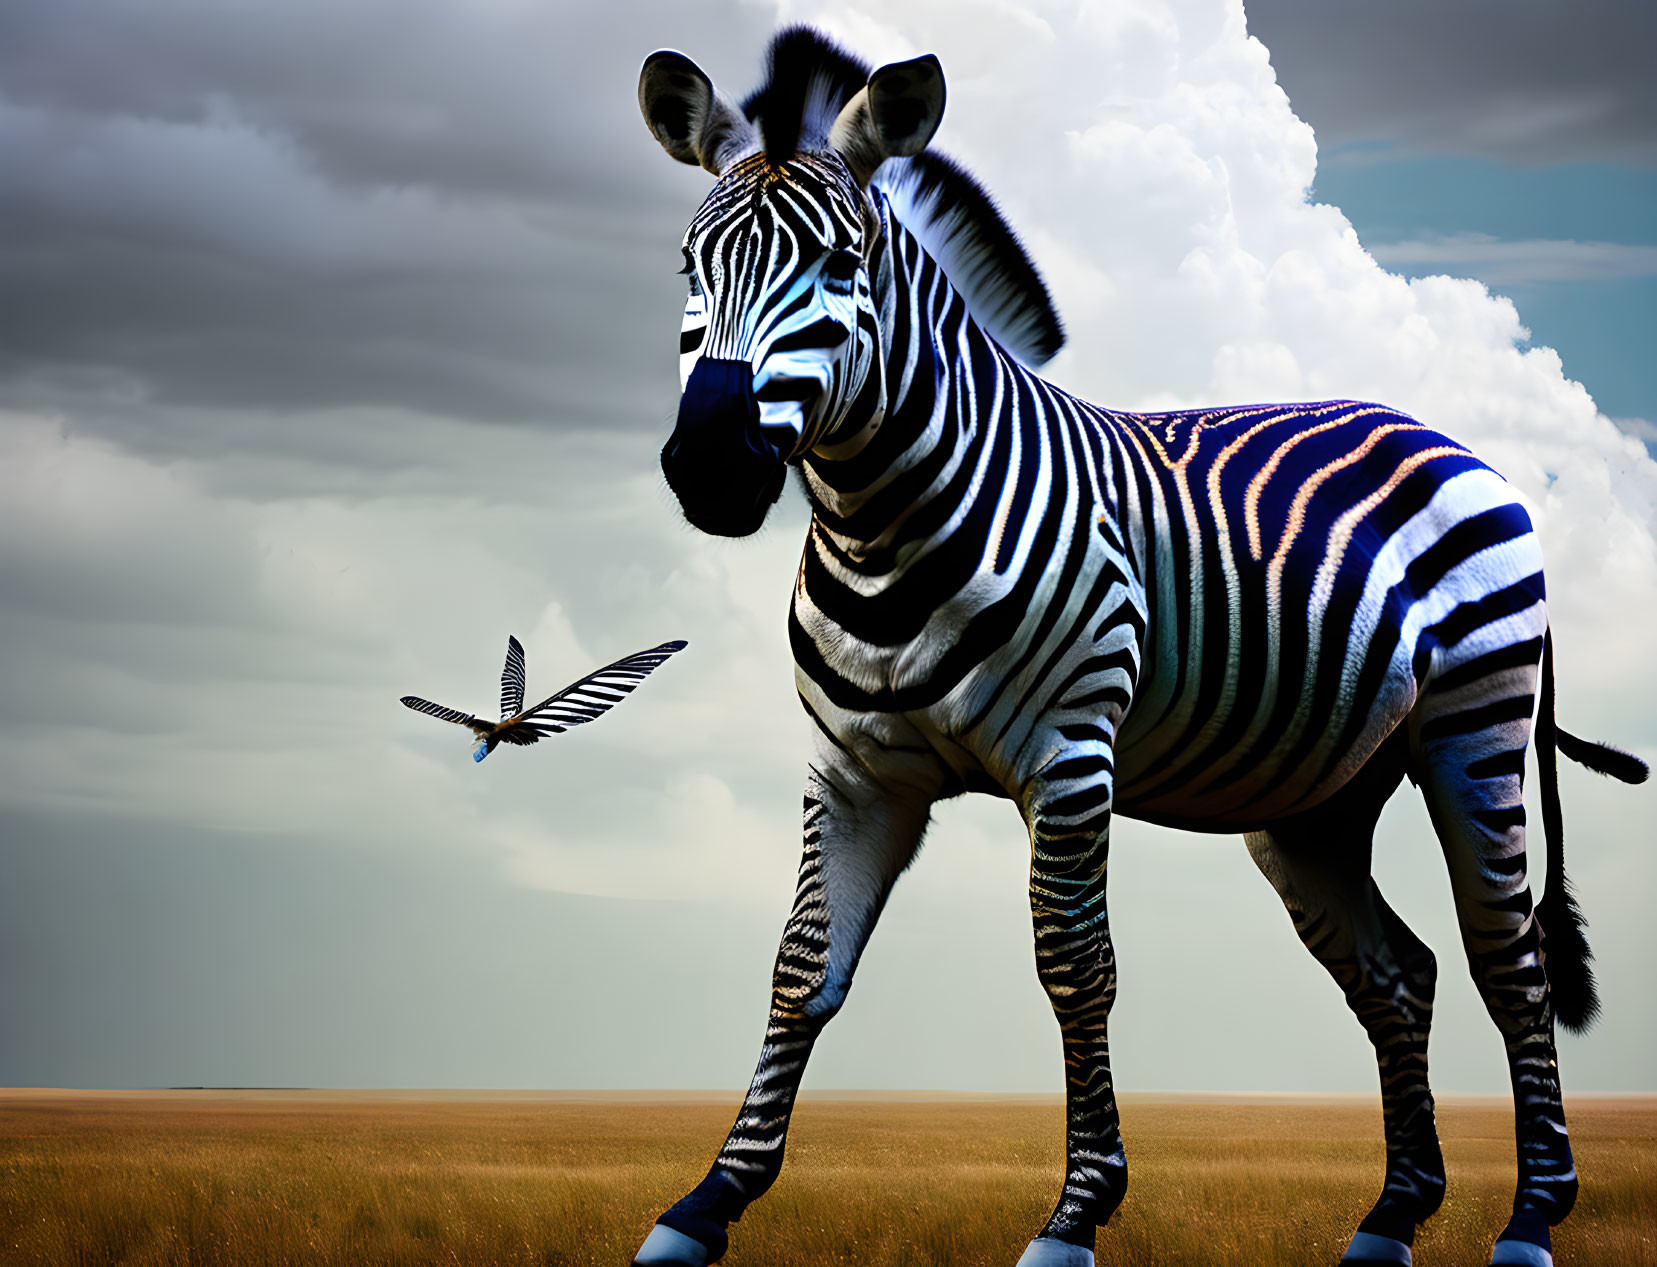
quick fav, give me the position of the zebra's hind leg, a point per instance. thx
(1388, 978)
(1470, 744)
(1320, 867)
(858, 838)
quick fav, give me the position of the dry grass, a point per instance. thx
(298, 1177)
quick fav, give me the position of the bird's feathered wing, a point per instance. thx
(591, 697)
(444, 714)
(594, 695)
(512, 679)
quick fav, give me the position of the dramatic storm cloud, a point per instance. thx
(338, 344)
(439, 208)
(1529, 81)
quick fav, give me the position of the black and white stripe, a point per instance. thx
(594, 695)
(512, 679)
(443, 714)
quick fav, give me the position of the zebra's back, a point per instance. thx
(1308, 568)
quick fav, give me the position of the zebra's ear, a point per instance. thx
(894, 116)
(683, 110)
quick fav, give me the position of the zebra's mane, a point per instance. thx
(809, 79)
(960, 226)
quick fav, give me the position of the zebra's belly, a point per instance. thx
(1232, 780)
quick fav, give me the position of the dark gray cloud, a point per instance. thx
(1524, 81)
(472, 99)
(289, 208)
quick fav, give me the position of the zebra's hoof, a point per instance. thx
(1368, 1248)
(1047, 1251)
(1520, 1254)
(666, 1248)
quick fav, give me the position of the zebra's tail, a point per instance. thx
(1565, 943)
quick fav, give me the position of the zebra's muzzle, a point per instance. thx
(725, 471)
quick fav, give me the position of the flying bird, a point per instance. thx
(591, 697)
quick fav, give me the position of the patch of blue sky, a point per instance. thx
(1604, 332)
(1447, 194)
(1574, 245)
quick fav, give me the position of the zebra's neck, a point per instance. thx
(906, 462)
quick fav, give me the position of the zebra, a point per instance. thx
(1255, 620)
(578, 703)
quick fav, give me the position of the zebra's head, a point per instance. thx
(780, 347)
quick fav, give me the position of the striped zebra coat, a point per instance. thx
(1255, 620)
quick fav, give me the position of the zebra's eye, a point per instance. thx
(840, 271)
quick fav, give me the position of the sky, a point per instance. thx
(339, 341)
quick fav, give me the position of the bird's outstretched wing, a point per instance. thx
(512, 679)
(594, 695)
(444, 714)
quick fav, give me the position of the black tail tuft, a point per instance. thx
(1602, 758)
(1565, 952)
(1568, 956)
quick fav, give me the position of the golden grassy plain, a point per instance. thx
(208, 1177)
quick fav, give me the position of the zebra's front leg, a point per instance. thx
(1069, 819)
(859, 836)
